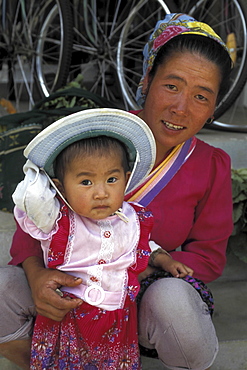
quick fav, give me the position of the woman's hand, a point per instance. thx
(43, 283)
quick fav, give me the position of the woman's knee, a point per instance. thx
(175, 321)
(14, 286)
(167, 297)
(162, 304)
(16, 304)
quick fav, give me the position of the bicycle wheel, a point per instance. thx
(97, 25)
(35, 48)
(54, 47)
(229, 19)
(135, 32)
(97, 29)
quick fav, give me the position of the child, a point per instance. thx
(87, 230)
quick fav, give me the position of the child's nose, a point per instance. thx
(101, 192)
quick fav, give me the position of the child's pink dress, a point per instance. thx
(108, 255)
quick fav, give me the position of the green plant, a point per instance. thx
(238, 240)
(65, 101)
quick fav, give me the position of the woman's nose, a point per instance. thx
(180, 105)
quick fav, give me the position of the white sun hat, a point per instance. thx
(128, 128)
(36, 194)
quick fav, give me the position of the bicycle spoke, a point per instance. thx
(26, 77)
(134, 35)
(106, 45)
(95, 44)
(33, 42)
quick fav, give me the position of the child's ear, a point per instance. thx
(127, 176)
(59, 185)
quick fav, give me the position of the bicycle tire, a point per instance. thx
(54, 48)
(135, 32)
(20, 35)
(97, 28)
(226, 17)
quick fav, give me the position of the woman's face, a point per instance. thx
(180, 98)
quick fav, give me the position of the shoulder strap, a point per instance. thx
(163, 174)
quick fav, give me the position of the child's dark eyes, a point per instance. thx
(112, 179)
(86, 182)
(89, 182)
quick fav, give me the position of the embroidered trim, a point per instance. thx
(107, 239)
(71, 237)
(105, 253)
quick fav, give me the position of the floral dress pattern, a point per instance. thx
(92, 338)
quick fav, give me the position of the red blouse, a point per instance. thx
(193, 211)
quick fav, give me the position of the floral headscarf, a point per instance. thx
(172, 25)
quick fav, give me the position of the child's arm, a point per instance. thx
(163, 260)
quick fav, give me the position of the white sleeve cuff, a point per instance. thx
(153, 246)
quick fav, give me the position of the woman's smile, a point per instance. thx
(172, 126)
(180, 98)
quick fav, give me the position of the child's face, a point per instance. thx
(94, 185)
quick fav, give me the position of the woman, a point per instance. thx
(186, 69)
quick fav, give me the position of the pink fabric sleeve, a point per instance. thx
(205, 247)
(30, 229)
(23, 246)
(194, 212)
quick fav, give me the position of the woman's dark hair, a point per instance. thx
(89, 146)
(202, 45)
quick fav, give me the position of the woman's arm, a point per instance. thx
(43, 283)
(204, 249)
(194, 211)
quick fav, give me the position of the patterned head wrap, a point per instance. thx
(171, 26)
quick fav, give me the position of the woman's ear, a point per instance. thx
(209, 120)
(59, 185)
(145, 85)
(146, 82)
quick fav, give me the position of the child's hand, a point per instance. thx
(178, 269)
(144, 274)
(166, 262)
